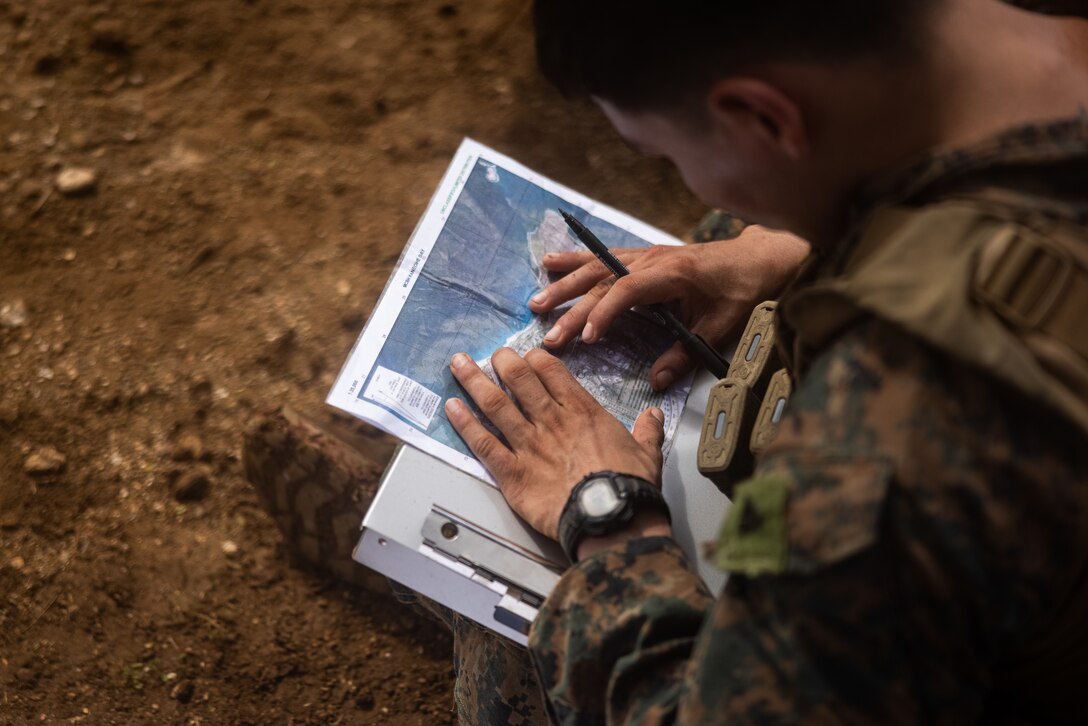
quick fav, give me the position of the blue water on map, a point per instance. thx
(473, 291)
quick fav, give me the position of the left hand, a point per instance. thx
(557, 433)
(716, 285)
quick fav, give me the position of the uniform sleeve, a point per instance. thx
(628, 614)
(880, 562)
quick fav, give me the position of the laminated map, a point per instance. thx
(463, 284)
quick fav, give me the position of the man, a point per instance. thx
(912, 546)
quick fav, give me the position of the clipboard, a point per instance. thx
(452, 537)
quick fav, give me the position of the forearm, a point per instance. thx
(627, 613)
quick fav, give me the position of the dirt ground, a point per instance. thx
(257, 167)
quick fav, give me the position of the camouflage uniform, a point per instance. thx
(717, 225)
(911, 548)
(1054, 7)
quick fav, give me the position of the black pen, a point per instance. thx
(699, 348)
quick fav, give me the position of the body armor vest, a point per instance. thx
(1003, 291)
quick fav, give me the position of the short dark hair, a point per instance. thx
(652, 54)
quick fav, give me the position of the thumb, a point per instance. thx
(674, 364)
(649, 431)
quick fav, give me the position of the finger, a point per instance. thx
(671, 366)
(563, 388)
(488, 449)
(642, 287)
(569, 286)
(649, 431)
(520, 378)
(567, 261)
(573, 322)
(677, 362)
(491, 399)
(612, 296)
(582, 276)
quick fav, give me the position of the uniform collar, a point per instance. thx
(1025, 148)
(1021, 157)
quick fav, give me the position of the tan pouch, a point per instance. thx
(770, 412)
(724, 454)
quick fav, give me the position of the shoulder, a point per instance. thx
(887, 434)
(878, 390)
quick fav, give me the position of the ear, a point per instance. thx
(752, 106)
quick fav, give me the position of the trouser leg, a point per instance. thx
(317, 489)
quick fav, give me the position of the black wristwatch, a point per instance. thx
(602, 503)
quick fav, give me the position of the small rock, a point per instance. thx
(188, 448)
(193, 487)
(17, 563)
(201, 388)
(229, 548)
(9, 413)
(73, 181)
(13, 314)
(48, 65)
(182, 692)
(45, 460)
(109, 35)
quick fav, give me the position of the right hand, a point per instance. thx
(717, 284)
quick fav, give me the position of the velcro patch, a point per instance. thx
(753, 538)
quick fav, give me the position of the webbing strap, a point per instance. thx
(1036, 285)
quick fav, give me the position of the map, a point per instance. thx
(463, 284)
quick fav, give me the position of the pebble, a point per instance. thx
(75, 180)
(9, 412)
(193, 487)
(229, 548)
(13, 314)
(45, 460)
(182, 692)
(17, 563)
(188, 448)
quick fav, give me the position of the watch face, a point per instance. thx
(599, 499)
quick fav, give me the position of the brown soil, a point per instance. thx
(260, 164)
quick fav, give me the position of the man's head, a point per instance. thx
(738, 93)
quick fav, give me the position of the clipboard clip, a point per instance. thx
(491, 562)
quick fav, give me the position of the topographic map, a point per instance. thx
(463, 285)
